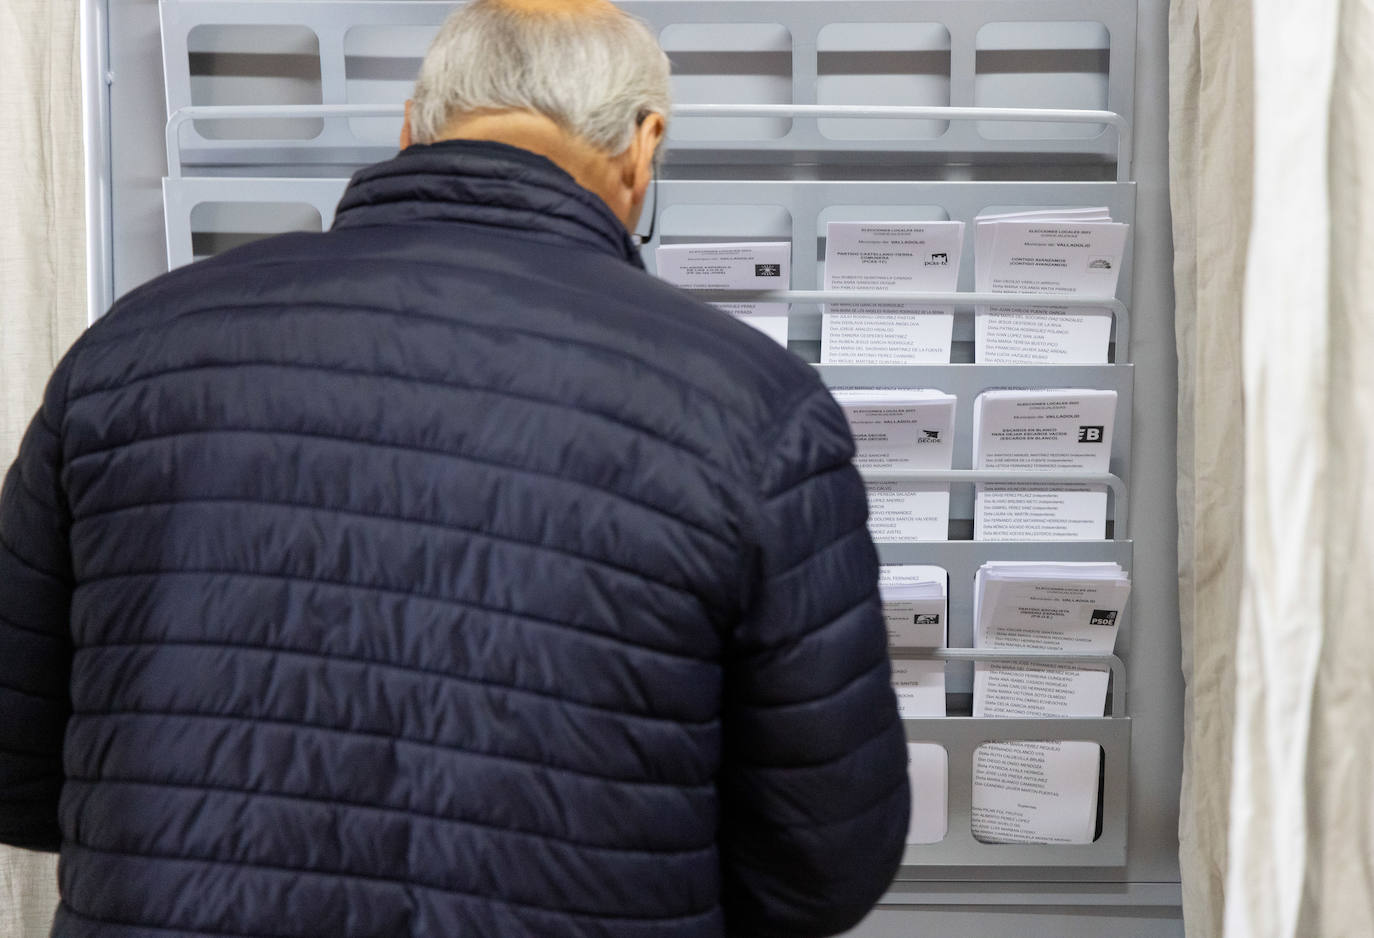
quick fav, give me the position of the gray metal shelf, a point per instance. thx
(961, 560)
(961, 736)
(803, 207)
(797, 210)
(238, 155)
(806, 26)
(966, 382)
(961, 504)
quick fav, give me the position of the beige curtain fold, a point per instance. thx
(1323, 872)
(1272, 179)
(1338, 893)
(28, 894)
(1210, 154)
(43, 279)
(42, 203)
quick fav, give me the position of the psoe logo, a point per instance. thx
(767, 270)
(1103, 617)
(1100, 263)
(1091, 434)
(940, 259)
(926, 618)
(929, 436)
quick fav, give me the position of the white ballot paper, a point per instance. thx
(920, 687)
(928, 771)
(899, 429)
(1046, 606)
(765, 265)
(915, 605)
(904, 257)
(984, 232)
(1063, 429)
(1069, 252)
(1042, 792)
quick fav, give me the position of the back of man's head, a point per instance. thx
(584, 64)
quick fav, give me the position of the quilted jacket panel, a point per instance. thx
(443, 574)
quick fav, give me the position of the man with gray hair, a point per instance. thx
(444, 574)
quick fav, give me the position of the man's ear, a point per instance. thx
(406, 139)
(640, 167)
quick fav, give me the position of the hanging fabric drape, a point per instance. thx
(42, 203)
(1271, 158)
(1287, 388)
(1341, 766)
(1302, 801)
(1210, 142)
(43, 285)
(28, 893)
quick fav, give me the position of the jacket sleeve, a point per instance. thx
(814, 792)
(35, 643)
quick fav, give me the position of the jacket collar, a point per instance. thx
(485, 183)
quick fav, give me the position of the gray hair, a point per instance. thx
(595, 74)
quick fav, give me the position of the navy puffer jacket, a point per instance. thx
(444, 575)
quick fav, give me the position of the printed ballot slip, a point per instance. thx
(1042, 429)
(902, 257)
(920, 687)
(903, 429)
(1042, 791)
(1068, 252)
(1074, 608)
(1035, 792)
(765, 265)
(915, 604)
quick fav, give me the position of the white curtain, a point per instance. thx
(1302, 797)
(42, 289)
(1272, 176)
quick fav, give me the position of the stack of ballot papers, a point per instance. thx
(765, 265)
(886, 257)
(915, 603)
(1068, 252)
(1042, 792)
(916, 607)
(903, 429)
(1050, 429)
